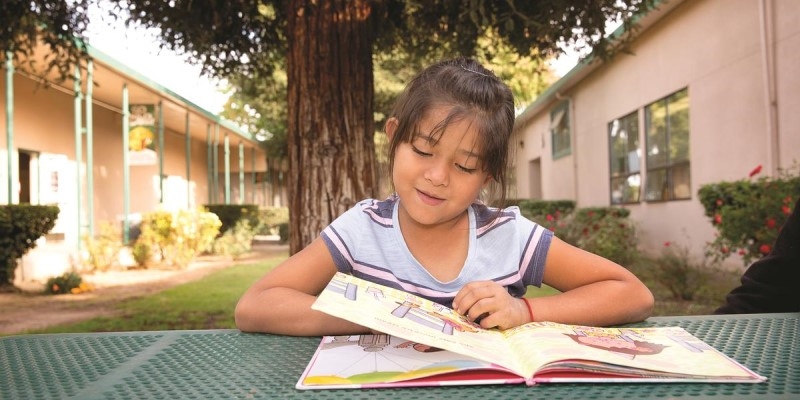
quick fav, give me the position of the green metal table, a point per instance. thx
(227, 364)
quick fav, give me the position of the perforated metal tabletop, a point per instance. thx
(225, 364)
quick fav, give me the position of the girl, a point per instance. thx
(449, 140)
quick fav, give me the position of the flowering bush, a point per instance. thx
(605, 231)
(177, 238)
(748, 213)
(103, 248)
(236, 241)
(547, 213)
(69, 282)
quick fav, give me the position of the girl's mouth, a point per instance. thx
(428, 199)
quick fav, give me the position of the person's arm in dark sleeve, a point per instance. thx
(771, 284)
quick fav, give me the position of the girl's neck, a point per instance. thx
(442, 249)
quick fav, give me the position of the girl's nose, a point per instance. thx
(437, 174)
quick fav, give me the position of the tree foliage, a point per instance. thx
(328, 50)
(57, 24)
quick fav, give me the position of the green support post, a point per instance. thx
(90, 147)
(78, 112)
(126, 175)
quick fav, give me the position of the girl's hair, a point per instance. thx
(472, 92)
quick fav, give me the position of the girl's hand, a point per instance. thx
(489, 304)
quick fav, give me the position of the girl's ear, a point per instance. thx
(391, 127)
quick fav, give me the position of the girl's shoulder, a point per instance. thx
(374, 210)
(486, 215)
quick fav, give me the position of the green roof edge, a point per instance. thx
(146, 81)
(584, 63)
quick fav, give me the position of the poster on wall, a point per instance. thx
(141, 135)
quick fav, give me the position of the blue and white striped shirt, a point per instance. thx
(507, 248)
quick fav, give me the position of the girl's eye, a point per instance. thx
(465, 169)
(420, 152)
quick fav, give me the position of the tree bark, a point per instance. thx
(330, 107)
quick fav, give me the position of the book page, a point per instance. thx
(671, 351)
(364, 361)
(401, 314)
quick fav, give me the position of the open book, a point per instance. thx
(426, 344)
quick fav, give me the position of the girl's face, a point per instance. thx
(437, 181)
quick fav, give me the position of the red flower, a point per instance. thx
(755, 170)
(724, 250)
(742, 252)
(550, 217)
(666, 244)
(717, 219)
(719, 202)
(785, 210)
(770, 223)
(764, 249)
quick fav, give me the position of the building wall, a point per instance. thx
(44, 127)
(713, 48)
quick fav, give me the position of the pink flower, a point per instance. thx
(755, 171)
(717, 219)
(550, 217)
(719, 202)
(666, 244)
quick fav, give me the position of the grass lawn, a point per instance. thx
(209, 302)
(203, 304)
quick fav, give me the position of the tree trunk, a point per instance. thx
(330, 103)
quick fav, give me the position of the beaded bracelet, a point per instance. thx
(530, 310)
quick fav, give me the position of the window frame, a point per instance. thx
(669, 166)
(628, 173)
(564, 141)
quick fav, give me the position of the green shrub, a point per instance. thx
(271, 218)
(605, 231)
(142, 253)
(283, 232)
(508, 203)
(684, 279)
(230, 214)
(748, 214)
(20, 226)
(180, 236)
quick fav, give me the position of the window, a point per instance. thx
(626, 156)
(667, 136)
(559, 130)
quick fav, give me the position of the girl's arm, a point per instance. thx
(595, 291)
(280, 301)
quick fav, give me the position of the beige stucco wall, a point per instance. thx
(713, 48)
